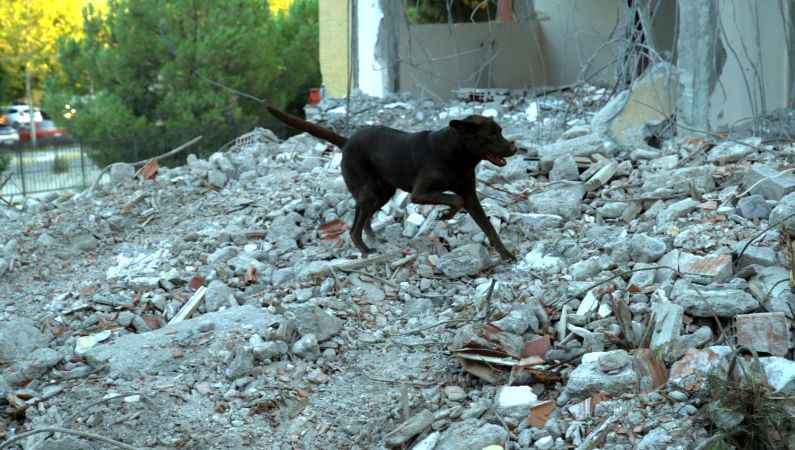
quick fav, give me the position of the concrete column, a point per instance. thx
(505, 11)
(696, 48)
(335, 54)
(389, 35)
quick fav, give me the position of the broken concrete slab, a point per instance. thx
(680, 180)
(770, 286)
(564, 201)
(564, 168)
(602, 176)
(729, 152)
(676, 210)
(713, 300)
(690, 372)
(515, 401)
(754, 207)
(667, 326)
(764, 332)
(535, 223)
(539, 261)
(651, 98)
(310, 319)
(695, 237)
(647, 249)
(784, 212)
(780, 374)
(413, 426)
(589, 377)
(581, 146)
(471, 434)
(218, 295)
(701, 337)
(18, 338)
(466, 260)
(133, 355)
(717, 267)
(643, 279)
(768, 182)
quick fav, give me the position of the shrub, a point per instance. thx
(60, 165)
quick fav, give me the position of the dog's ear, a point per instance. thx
(463, 126)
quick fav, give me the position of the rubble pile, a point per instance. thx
(221, 305)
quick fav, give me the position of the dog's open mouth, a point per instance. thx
(496, 160)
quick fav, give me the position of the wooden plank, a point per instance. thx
(189, 307)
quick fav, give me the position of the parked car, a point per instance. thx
(8, 135)
(20, 114)
(45, 131)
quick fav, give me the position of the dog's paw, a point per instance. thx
(507, 255)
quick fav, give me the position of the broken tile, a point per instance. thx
(764, 332)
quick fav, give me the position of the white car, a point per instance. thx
(20, 114)
(8, 136)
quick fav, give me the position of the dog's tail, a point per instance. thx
(311, 128)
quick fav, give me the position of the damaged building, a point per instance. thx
(733, 59)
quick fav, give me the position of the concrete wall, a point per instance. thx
(574, 32)
(756, 75)
(334, 54)
(436, 59)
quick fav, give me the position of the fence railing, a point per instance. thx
(43, 169)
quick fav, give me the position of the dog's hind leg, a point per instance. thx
(371, 198)
(384, 193)
(356, 230)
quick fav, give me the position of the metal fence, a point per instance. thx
(35, 171)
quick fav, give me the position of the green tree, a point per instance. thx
(436, 11)
(143, 78)
(29, 30)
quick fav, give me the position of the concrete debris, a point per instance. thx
(770, 183)
(713, 300)
(410, 428)
(729, 152)
(609, 372)
(18, 338)
(780, 374)
(467, 260)
(471, 434)
(564, 169)
(690, 372)
(564, 201)
(667, 326)
(515, 401)
(650, 98)
(770, 287)
(764, 332)
(754, 207)
(222, 298)
(647, 249)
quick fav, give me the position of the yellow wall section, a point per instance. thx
(334, 54)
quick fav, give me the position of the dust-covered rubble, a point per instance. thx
(221, 304)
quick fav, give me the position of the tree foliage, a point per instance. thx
(145, 75)
(436, 11)
(29, 32)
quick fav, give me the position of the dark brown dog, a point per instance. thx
(428, 164)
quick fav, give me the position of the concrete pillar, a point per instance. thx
(389, 35)
(377, 38)
(335, 55)
(696, 48)
(505, 11)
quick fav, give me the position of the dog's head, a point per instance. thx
(483, 138)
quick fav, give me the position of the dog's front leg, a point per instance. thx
(421, 195)
(473, 207)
